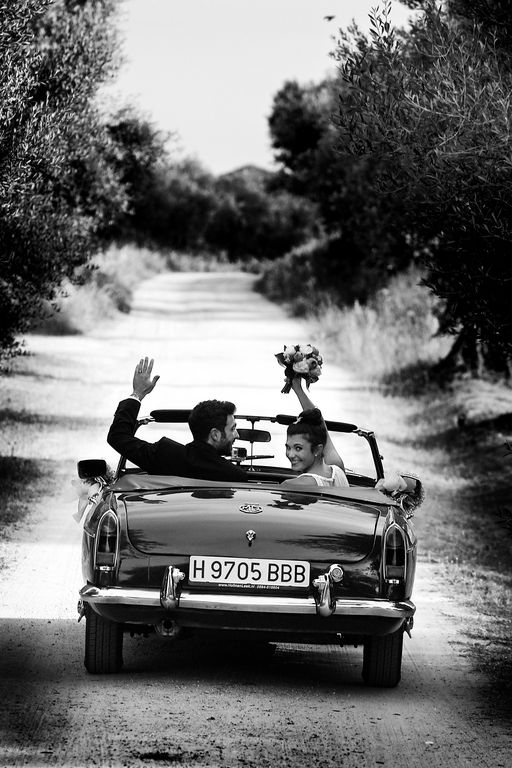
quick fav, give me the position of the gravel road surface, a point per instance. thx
(205, 704)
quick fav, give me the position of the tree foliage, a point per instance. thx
(431, 110)
(250, 219)
(177, 204)
(363, 243)
(169, 201)
(57, 189)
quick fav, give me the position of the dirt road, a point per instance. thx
(198, 706)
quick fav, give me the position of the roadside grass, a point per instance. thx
(23, 482)
(108, 287)
(458, 440)
(397, 329)
(27, 438)
(107, 290)
(480, 567)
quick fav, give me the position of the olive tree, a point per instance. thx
(57, 188)
(431, 109)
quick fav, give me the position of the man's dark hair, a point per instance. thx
(311, 425)
(209, 414)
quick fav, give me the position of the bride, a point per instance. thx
(309, 447)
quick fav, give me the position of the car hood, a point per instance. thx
(216, 521)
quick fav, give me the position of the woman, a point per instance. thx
(309, 447)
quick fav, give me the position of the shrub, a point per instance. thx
(292, 279)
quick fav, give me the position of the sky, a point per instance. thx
(207, 70)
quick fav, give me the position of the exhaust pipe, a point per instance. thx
(168, 628)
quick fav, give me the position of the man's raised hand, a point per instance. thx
(143, 384)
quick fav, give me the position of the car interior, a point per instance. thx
(261, 451)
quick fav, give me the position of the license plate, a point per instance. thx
(249, 571)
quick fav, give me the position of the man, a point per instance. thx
(213, 427)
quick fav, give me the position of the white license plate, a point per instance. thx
(249, 571)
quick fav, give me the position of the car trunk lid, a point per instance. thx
(251, 523)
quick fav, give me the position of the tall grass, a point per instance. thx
(396, 330)
(199, 262)
(106, 291)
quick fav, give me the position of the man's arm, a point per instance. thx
(120, 435)
(121, 438)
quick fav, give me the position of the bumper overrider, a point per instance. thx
(174, 600)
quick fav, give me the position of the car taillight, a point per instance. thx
(394, 554)
(106, 541)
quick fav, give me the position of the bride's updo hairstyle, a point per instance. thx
(311, 425)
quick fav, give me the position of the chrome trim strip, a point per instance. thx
(120, 596)
(253, 604)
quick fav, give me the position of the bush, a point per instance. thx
(203, 261)
(292, 279)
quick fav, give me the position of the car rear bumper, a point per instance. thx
(193, 601)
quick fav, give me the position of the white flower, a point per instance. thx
(391, 483)
(289, 350)
(306, 349)
(301, 367)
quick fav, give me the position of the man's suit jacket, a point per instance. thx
(168, 457)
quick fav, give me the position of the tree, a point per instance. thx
(58, 192)
(364, 243)
(251, 219)
(431, 110)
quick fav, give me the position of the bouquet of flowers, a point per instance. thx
(406, 489)
(302, 360)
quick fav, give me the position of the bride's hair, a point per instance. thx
(310, 423)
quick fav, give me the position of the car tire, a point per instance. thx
(103, 644)
(382, 660)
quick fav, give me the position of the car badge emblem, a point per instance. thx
(251, 509)
(250, 536)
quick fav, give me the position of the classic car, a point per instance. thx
(313, 565)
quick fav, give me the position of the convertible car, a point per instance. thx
(315, 565)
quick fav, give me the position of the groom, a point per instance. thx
(213, 427)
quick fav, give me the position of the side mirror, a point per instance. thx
(412, 484)
(88, 468)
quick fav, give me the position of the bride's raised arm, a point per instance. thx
(331, 455)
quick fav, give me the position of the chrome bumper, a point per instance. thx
(254, 604)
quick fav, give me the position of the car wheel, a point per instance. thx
(103, 644)
(382, 660)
